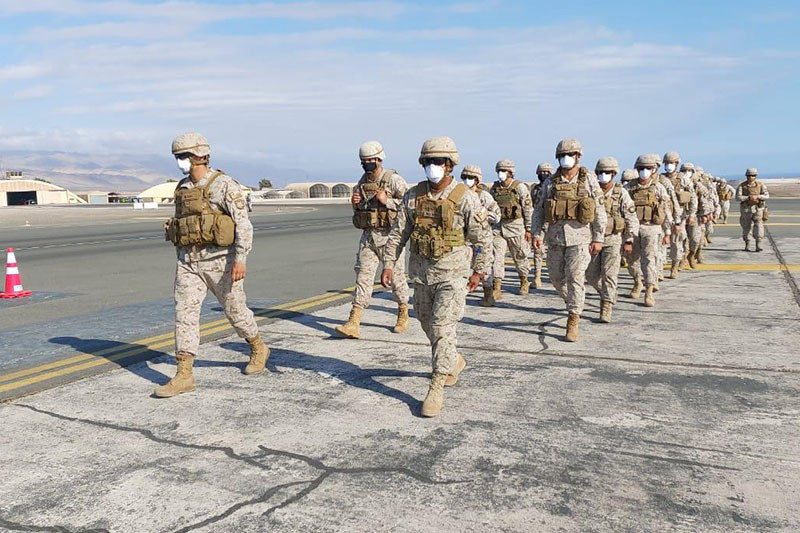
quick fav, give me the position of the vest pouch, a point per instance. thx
(222, 229)
(684, 197)
(171, 230)
(619, 224)
(586, 210)
(765, 215)
(644, 212)
(436, 248)
(659, 215)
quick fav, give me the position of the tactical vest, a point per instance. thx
(509, 200)
(648, 208)
(569, 201)
(724, 192)
(433, 235)
(612, 201)
(749, 190)
(683, 193)
(535, 190)
(196, 221)
(369, 213)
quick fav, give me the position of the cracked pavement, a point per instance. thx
(685, 417)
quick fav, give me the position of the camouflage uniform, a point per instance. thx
(725, 192)
(751, 214)
(643, 263)
(544, 169)
(603, 270)
(687, 201)
(509, 233)
(705, 207)
(677, 214)
(372, 246)
(493, 217)
(568, 241)
(713, 196)
(440, 286)
(209, 268)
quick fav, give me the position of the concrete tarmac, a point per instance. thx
(683, 417)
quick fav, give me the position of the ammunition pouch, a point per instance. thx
(684, 197)
(374, 218)
(433, 235)
(648, 208)
(196, 222)
(567, 202)
(765, 215)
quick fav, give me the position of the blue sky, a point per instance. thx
(302, 84)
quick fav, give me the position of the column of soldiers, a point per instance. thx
(457, 235)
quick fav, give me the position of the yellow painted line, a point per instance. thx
(743, 267)
(151, 343)
(782, 224)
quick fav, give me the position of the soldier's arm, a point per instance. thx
(236, 206)
(537, 219)
(398, 188)
(628, 211)
(663, 198)
(400, 232)
(693, 200)
(598, 225)
(494, 211)
(764, 193)
(527, 205)
(676, 206)
(477, 231)
(739, 196)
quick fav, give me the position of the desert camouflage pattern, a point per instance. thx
(372, 245)
(603, 270)
(566, 266)
(509, 236)
(644, 263)
(493, 216)
(751, 217)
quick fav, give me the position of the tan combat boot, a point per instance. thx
(673, 272)
(452, 379)
(497, 286)
(524, 285)
(488, 296)
(649, 297)
(683, 265)
(350, 329)
(572, 327)
(432, 405)
(605, 312)
(259, 353)
(183, 380)
(758, 246)
(402, 319)
(537, 280)
(623, 262)
(636, 291)
(698, 255)
(691, 260)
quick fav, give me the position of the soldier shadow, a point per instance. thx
(114, 351)
(518, 327)
(349, 373)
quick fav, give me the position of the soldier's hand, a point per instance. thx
(690, 220)
(238, 271)
(356, 198)
(595, 248)
(666, 239)
(703, 219)
(382, 197)
(753, 198)
(474, 281)
(528, 236)
(386, 277)
(627, 248)
(537, 243)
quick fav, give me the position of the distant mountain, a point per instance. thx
(128, 172)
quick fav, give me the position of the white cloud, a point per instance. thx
(33, 92)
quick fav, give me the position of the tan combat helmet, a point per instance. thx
(657, 159)
(439, 147)
(569, 146)
(507, 165)
(751, 172)
(628, 175)
(371, 149)
(472, 171)
(647, 161)
(607, 164)
(672, 157)
(191, 143)
(544, 167)
(686, 167)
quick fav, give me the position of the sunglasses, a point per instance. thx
(438, 161)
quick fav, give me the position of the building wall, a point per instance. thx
(51, 197)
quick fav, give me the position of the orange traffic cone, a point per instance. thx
(13, 281)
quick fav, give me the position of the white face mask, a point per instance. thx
(669, 168)
(566, 161)
(185, 164)
(645, 173)
(688, 173)
(469, 182)
(604, 177)
(434, 173)
(502, 175)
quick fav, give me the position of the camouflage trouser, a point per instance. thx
(538, 259)
(709, 229)
(661, 258)
(566, 266)
(643, 262)
(519, 249)
(751, 218)
(192, 280)
(725, 207)
(439, 308)
(603, 269)
(368, 259)
(677, 244)
(694, 232)
(487, 280)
